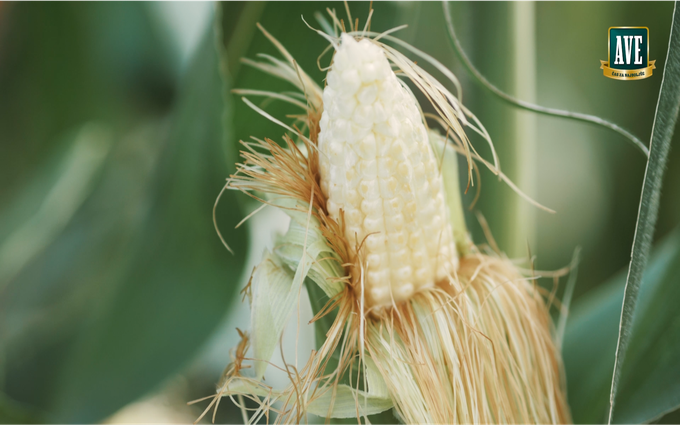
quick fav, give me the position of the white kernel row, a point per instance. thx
(377, 166)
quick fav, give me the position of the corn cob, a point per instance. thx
(474, 348)
(376, 165)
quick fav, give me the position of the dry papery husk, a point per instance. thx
(477, 348)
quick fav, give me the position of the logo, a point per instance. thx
(629, 49)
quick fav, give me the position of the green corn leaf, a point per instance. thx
(64, 267)
(179, 280)
(649, 386)
(664, 124)
(64, 65)
(591, 335)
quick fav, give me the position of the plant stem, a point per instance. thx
(521, 224)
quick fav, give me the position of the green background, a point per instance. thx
(118, 128)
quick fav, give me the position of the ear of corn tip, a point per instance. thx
(376, 165)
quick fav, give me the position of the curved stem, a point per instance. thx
(455, 43)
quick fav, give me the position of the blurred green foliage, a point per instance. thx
(123, 279)
(651, 376)
(131, 283)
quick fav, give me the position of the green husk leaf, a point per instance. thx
(273, 283)
(321, 263)
(662, 132)
(301, 255)
(448, 159)
(348, 401)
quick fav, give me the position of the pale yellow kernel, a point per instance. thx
(426, 212)
(344, 108)
(378, 278)
(379, 114)
(372, 207)
(388, 90)
(403, 170)
(407, 131)
(416, 238)
(419, 173)
(400, 257)
(380, 295)
(386, 167)
(340, 60)
(422, 274)
(442, 271)
(363, 115)
(394, 205)
(405, 290)
(350, 82)
(419, 259)
(337, 192)
(366, 148)
(386, 128)
(368, 168)
(436, 222)
(423, 192)
(342, 130)
(358, 132)
(372, 224)
(444, 253)
(397, 151)
(396, 240)
(369, 188)
(332, 78)
(324, 165)
(394, 223)
(375, 241)
(367, 94)
(353, 217)
(375, 261)
(369, 72)
(352, 197)
(333, 208)
(388, 187)
(336, 173)
(335, 153)
(410, 209)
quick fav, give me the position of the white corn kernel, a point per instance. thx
(376, 165)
